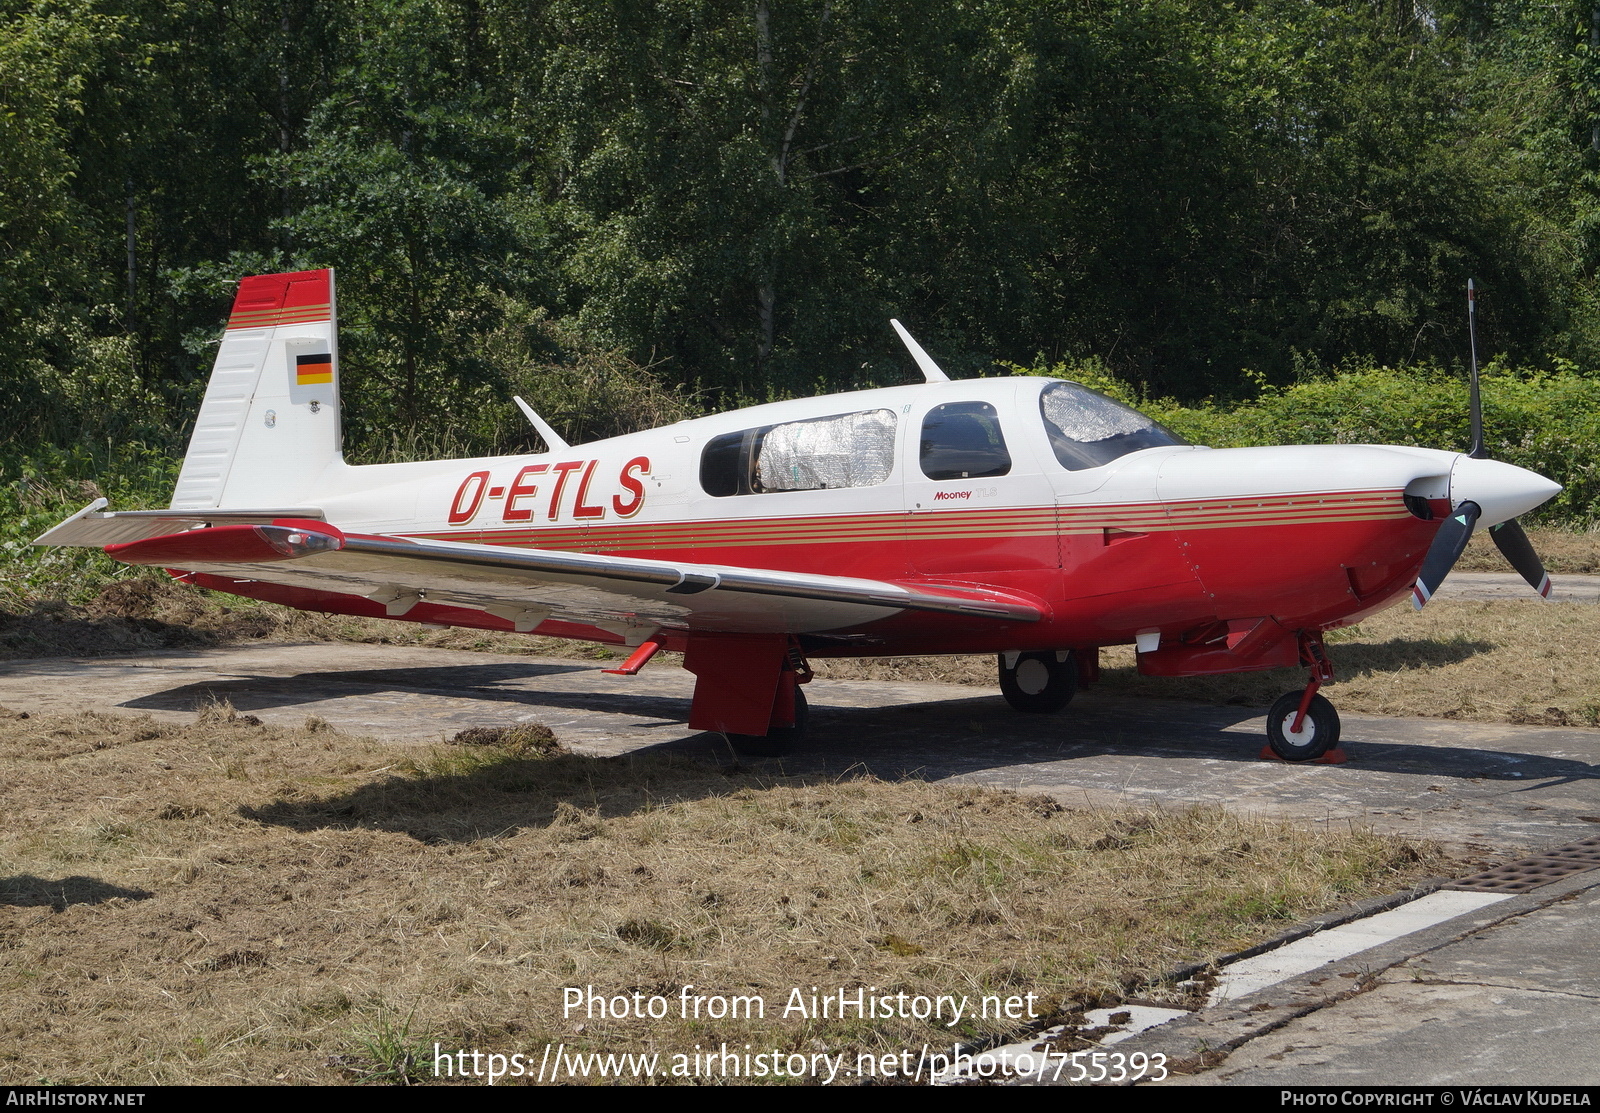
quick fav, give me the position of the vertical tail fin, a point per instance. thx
(269, 425)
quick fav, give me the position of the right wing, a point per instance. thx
(526, 586)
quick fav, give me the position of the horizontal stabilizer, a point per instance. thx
(89, 528)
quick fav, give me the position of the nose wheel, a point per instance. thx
(1303, 726)
(1316, 734)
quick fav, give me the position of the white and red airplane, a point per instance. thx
(1026, 517)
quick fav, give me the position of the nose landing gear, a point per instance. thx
(1303, 726)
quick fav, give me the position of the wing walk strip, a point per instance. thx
(945, 524)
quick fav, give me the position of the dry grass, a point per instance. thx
(228, 901)
(1504, 661)
(1561, 550)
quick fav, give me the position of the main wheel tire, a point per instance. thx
(1318, 734)
(1039, 683)
(779, 740)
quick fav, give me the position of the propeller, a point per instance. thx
(1502, 486)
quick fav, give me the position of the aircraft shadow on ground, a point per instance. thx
(27, 891)
(924, 741)
(981, 734)
(938, 739)
(572, 793)
(267, 693)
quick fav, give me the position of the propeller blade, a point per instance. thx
(1446, 549)
(1477, 451)
(1518, 550)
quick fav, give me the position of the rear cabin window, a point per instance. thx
(962, 440)
(825, 453)
(1087, 429)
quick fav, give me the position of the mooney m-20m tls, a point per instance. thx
(1025, 517)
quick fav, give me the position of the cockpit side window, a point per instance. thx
(1088, 430)
(825, 453)
(962, 440)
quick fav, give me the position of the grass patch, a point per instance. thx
(232, 901)
(1568, 551)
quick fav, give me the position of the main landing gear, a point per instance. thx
(789, 714)
(1303, 726)
(1039, 682)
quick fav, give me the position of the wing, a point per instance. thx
(525, 586)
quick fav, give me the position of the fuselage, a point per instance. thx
(1171, 538)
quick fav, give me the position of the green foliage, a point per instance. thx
(41, 487)
(401, 184)
(737, 195)
(585, 392)
(622, 210)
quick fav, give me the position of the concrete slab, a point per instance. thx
(1303, 955)
(1517, 1003)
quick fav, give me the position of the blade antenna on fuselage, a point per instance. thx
(552, 440)
(1476, 451)
(930, 370)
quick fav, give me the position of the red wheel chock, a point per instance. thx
(1334, 756)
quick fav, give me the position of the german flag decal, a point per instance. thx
(313, 369)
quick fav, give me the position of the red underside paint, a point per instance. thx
(1263, 645)
(219, 543)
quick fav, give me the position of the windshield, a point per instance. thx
(1087, 429)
